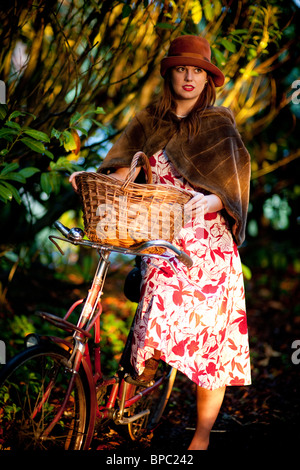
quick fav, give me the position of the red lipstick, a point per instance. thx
(188, 87)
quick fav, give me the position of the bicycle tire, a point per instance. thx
(156, 402)
(157, 412)
(24, 416)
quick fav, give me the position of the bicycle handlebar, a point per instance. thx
(75, 236)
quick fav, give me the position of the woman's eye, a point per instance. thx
(180, 69)
(198, 70)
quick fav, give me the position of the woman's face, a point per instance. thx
(188, 82)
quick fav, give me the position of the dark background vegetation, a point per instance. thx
(76, 72)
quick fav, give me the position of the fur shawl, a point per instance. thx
(215, 161)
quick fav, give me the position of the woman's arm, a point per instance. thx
(119, 174)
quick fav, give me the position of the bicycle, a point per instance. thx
(53, 394)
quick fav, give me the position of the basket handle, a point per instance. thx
(135, 159)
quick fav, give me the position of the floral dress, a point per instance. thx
(195, 318)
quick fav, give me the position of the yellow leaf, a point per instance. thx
(196, 11)
(76, 140)
(70, 143)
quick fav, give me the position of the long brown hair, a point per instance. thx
(166, 103)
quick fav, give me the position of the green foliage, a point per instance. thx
(13, 133)
(114, 330)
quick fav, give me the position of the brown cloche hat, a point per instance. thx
(191, 50)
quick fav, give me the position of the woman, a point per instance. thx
(195, 320)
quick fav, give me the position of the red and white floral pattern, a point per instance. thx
(197, 317)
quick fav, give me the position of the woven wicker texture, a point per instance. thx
(124, 213)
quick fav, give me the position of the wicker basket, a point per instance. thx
(125, 214)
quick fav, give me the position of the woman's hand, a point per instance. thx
(119, 174)
(72, 179)
(201, 205)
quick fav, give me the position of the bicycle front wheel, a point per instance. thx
(32, 388)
